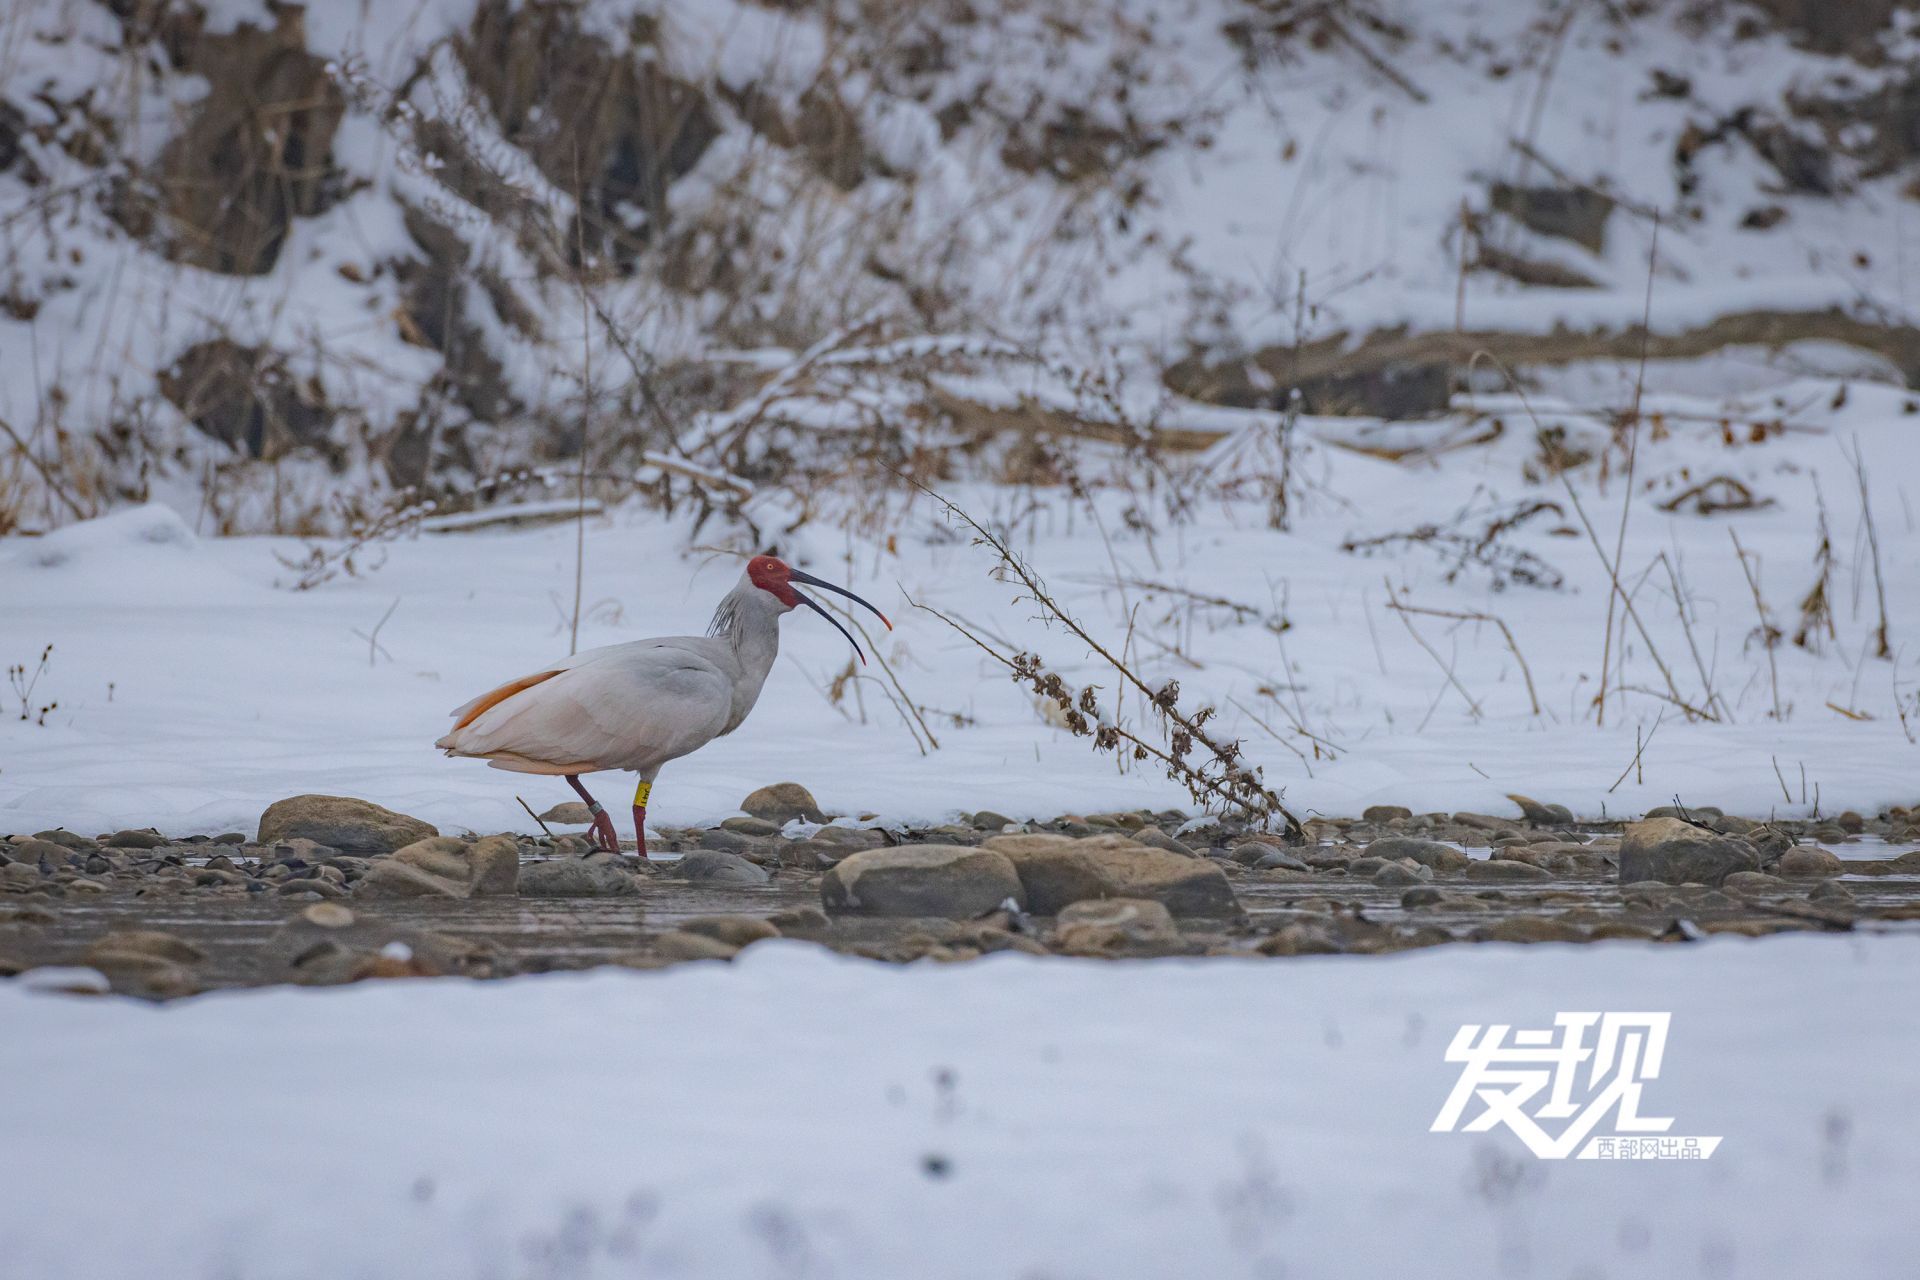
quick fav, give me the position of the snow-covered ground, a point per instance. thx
(803, 1114)
(194, 687)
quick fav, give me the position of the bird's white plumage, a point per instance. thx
(629, 706)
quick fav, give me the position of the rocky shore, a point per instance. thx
(332, 890)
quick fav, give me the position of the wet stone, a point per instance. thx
(713, 866)
(1505, 869)
(1428, 853)
(782, 803)
(1672, 851)
(727, 841)
(1543, 814)
(1808, 862)
(683, 945)
(1112, 925)
(147, 839)
(355, 826)
(734, 930)
(1396, 874)
(955, 881)
(599, 875)
(66, 839)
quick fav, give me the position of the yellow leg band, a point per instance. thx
(640, 794)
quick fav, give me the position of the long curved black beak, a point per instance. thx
(798, 576)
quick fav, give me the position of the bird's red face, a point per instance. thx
(776, 577)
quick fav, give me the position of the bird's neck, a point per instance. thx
(748, 619)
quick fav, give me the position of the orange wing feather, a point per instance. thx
(487, 701)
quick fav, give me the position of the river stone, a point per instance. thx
(750, 826)
(1101, 926)
(783, 802)
(1262, 856)
(488, 868)
(20, 875)
(65, 838)
(850, 839)
(388, 878)
(44, 855)
(148, 839)
(1832, 893)
(712, 866)
(1155, 838)
(598, 875)
(1384, 813)
(682, 944)
(1057, 870)
(1530, 929)
(1395, 875)
(1431, 854)
(727, 841)
(1505, 869)
(352, 826)
(328, 915)
(1808, 861)
(1672, 851)
(734, 930)
(134, 944)
(1542, 815)
(957, 882)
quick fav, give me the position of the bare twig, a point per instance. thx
(373, 638)
(1224, 778)
(1475, 616)
(536, 817)
(1882, 649)
(1593, 537)
(1768, 633)
(1639, 752)
(1633, 455)
(1393, 603)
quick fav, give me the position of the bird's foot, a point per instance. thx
(604, 835)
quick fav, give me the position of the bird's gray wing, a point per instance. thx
(628, 706)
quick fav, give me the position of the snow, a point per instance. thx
(195, 687)
(778, 1116)
(1273, 160)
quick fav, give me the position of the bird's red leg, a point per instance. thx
(602, 825)
(640, 794)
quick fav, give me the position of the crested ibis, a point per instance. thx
(636, 706)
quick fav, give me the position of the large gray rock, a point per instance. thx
(1057, 870)
(353, 826)
(1676, 852)
(958, 882)
(1431, 854)
(598, 875)
(783, 802)
(711, 866)
(488, 868)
